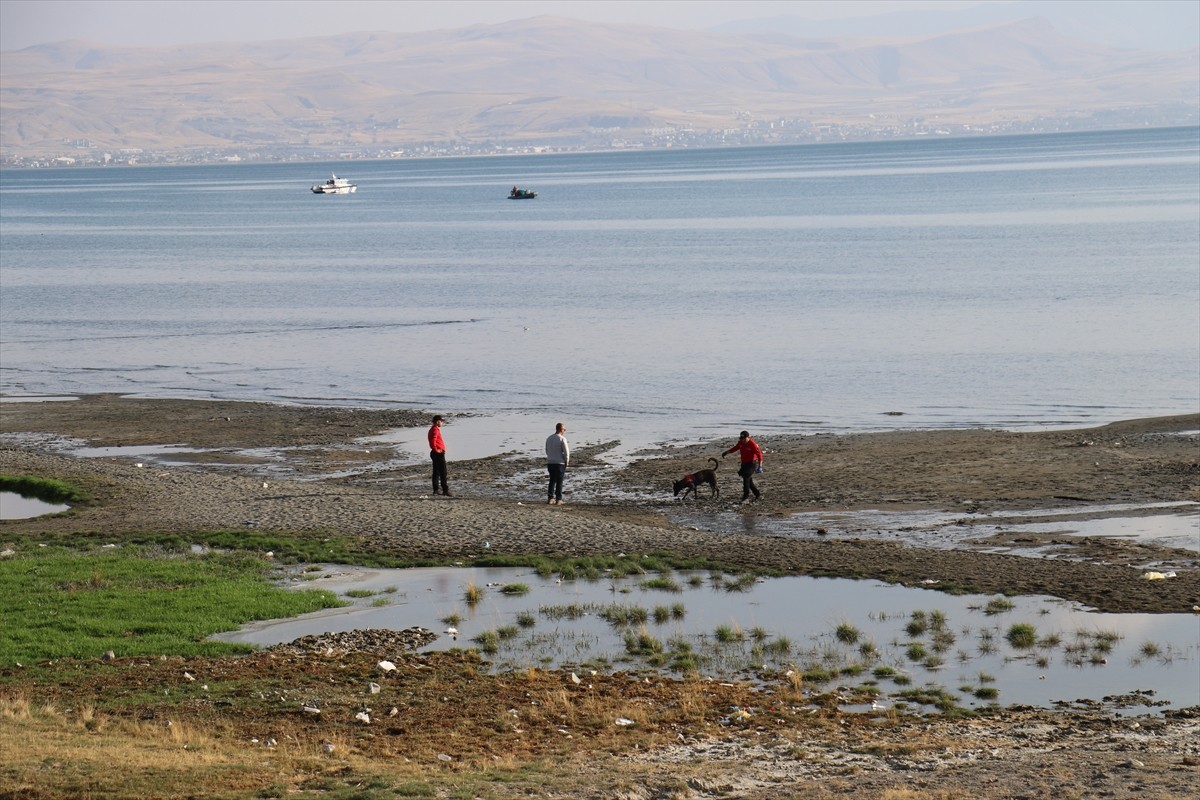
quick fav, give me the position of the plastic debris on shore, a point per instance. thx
(1157, 576)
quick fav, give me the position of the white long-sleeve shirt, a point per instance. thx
(557, 451)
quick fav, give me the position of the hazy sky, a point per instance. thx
(172, 22)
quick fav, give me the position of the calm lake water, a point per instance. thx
(1023, 281)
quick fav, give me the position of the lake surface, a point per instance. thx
(1018, 282)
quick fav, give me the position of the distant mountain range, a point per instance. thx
(551, 81)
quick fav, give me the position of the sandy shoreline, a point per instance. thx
(335, 484)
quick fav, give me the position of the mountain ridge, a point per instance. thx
(552, 81)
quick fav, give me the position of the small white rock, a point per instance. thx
(387, 666)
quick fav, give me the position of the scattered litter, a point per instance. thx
(1157, 576)
(444, 757)
(387, 666)
(374, 687)
(328, 747)
(930, 582)
(311, 710)
(623, 722)
(575, 679)
(364, 717)
(189, 676)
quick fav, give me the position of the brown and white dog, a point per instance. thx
(689, 483)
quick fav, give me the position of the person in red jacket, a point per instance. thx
(437, 453)
(752, 457)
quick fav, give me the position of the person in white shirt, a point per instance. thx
(558, 455)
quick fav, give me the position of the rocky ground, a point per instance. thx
(272, 468)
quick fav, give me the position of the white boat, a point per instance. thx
(335, 185)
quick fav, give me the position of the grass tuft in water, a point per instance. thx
(847, 633)
(998, 605)
(1022, 636)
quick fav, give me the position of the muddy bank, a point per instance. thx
(498, 504)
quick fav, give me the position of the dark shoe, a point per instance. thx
(448, 493)
(435, 491)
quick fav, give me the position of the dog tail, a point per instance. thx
(716, 464)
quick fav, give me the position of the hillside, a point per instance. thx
(548, 81)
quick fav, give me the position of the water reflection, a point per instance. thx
(859, 632)
(14, 506)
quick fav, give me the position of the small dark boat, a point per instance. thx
(521, 194)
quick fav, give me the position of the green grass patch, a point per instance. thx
(136, 601)
(48, 490)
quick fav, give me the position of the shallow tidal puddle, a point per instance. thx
(892, 638)
(1175, 525)
(15, 506)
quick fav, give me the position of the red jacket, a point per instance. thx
(435, 440)
(748, 449)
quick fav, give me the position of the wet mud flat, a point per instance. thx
(971, 475)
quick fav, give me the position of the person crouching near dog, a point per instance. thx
(752, 458)
(437, 454)
(558, 455)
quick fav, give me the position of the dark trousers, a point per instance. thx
(439, 471)
(747, 473)
(557, 473)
